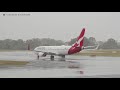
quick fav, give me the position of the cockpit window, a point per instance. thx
(41, 48)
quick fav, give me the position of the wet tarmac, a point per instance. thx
(74, 67)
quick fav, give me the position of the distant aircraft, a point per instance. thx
(63, 50)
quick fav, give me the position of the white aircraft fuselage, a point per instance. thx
(57, 50)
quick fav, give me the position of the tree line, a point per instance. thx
(9, 44)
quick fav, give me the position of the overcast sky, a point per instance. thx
(60, 25)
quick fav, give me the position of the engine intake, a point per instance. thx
(41, 54)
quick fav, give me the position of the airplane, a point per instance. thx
(42, 51)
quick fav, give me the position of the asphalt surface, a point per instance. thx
(73, 67)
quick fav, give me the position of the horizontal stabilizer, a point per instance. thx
(91, 47)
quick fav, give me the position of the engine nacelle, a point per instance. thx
(41, 54)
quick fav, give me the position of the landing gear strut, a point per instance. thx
(52, 58)
(38, 57)
(63, 58)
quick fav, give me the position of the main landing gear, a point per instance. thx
(51, 57)
(63, 58)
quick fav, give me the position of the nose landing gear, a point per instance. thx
(38, 57)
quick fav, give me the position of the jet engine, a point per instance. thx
(41, 54)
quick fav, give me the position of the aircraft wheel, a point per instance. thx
(52, 58)
(38, 57)
(63, 58)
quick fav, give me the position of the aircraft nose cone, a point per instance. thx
(35, 49)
